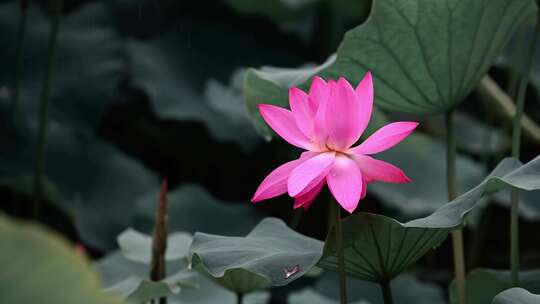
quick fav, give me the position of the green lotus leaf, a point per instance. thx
(482, 285)
(378, 248)
(426, 56)
(270, 255)
(39, 266)
(124, 276)
(516, 296)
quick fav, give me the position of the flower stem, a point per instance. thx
(457, 235)
(387, 292)
(56, 10)
(341, 255)
(522, 75)
(19, 59)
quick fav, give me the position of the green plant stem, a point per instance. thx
(239, 298)
(387, 292)
(56, 10)
(341, 255)
(514, 236)
(514, 195)
(457, 235)
(525, 60)
(19, 59)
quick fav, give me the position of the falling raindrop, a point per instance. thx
(289, 273)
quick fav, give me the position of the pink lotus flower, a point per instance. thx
(327, 122)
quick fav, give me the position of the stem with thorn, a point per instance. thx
(159, 240)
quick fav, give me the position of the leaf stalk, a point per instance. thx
(451, 181)
(523, 80)
(387, 292)
(341, 254)
(56, 13)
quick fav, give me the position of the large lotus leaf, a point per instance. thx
(516, 296)
(482, 285)
(137, 246)
(272, 254)
(378, 248)
(406, 289)
(426, 56)
(124, 276)
(38, 266)
(87, 46)
(192, 209)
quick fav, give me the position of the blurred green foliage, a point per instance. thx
(145, 89)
